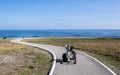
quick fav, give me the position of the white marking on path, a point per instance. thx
(99, 63)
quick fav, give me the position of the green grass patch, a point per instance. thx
(106, 60)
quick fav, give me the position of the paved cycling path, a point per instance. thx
(84, 66)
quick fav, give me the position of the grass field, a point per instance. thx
(106, 50)
(18, 59)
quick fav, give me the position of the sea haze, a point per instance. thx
(61, 33)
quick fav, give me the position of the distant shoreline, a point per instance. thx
(60, 33)
(57, 37)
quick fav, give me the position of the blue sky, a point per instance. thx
(59, 14)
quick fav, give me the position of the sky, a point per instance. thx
(59, 14)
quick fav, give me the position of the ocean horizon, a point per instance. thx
(87, 33)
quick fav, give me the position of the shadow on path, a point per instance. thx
(65, 63)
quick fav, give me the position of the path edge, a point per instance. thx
(18, 41)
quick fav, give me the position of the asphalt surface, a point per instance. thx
(84, 66)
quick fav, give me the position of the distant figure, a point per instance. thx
(4, 37)
(23, 37)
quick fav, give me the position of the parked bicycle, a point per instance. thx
(70, 55)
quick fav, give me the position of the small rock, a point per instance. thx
(15, 69)
(21, 66)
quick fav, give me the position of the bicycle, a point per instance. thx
(70, 55)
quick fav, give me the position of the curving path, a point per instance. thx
(86, 65)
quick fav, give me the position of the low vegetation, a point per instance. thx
(18, 59)
(105, 49)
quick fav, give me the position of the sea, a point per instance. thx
(61, 33)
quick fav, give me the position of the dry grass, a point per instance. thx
(7, 46)
(18, 59)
